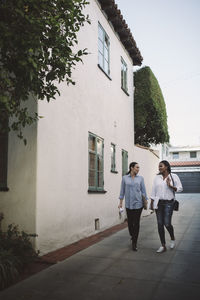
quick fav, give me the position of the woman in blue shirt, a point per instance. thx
(133, 189)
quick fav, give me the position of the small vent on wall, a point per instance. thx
(96, 224)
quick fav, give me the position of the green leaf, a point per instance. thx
(37, 49)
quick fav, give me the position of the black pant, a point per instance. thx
(133, 216)
(164, 217)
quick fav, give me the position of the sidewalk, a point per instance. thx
(110, 270)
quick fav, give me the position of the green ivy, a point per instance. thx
(150, 117)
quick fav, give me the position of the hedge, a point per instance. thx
(149, 109)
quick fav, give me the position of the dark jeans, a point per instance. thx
(164, 216)
(133, 217)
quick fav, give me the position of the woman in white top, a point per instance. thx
(162, 200)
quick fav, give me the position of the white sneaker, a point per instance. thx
(161, 249)
(172, 244)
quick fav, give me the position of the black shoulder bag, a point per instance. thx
(176, 203)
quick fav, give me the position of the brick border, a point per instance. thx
(67, 251)
(54, 257)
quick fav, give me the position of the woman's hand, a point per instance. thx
(120, 203)
(151, 205)
(168, 181)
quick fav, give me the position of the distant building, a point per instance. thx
(185, 161)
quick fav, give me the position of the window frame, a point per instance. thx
(113, 158)
(98, 157)
(124, 162)
(175, 155)
(193, 152)
(105, 46)
(124, 76)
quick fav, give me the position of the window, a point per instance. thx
(193, 154)
(104, 50)
(124, 162)
(175, 155)
(113, 158)
(3, 159)
(124, 70)
(96, 180)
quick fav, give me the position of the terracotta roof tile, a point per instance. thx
(184, 163)
(115, 17)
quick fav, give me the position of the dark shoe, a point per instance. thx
(134, 246)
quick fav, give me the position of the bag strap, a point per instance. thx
(173, 184)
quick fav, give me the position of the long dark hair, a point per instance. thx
(167, 164)
(132, 165)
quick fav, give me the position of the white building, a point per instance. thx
(187, 153)
(64, 185)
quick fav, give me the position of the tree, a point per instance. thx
(37, 39)
(149, 109)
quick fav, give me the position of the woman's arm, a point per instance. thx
(178, 184)
(122, 192)
(171, 184)
(143, 189)
(154, 198)
(174, 183)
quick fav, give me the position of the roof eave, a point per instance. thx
(115, 17)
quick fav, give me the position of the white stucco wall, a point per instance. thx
(48, 179)
(65, 210)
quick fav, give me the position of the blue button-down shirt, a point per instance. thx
(133, 189)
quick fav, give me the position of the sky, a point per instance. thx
(167, 34)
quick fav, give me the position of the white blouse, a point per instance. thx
(161, 190)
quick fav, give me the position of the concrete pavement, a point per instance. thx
(110, 270)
